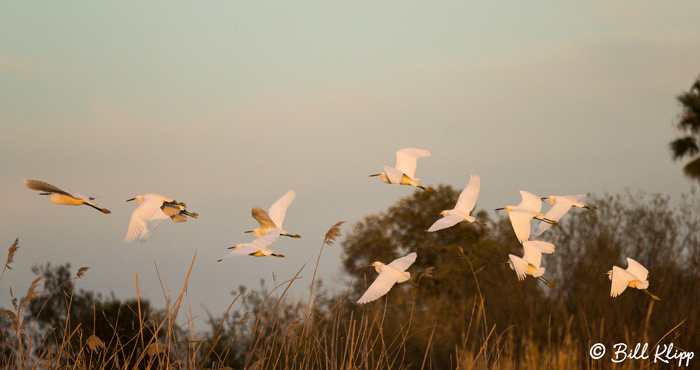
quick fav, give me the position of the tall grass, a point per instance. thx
(269, 330)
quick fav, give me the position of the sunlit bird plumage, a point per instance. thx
(521, 215)
(153, 209)
(560, 205)
(274, 218)
(530, 262)
(394, 272)
(461, 212)
(404, 173)
(256, 248)
(635, 276)
(59, 196)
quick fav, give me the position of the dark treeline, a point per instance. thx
(469, 309)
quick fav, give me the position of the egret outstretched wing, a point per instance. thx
(445, 222)
(44, 186)
(241, 250)
(404, 262)
(407, 158)
(530, 201)
(156, 220)
(519, 265)
(278, 210)
(576, 198)
(532, 255)
(636, 269)
(379, 287)
(141, 215)
(543, 246)
(521, 224)
(263, 219)
(555, 213)
(394, 176)
(620, 279)
(468, 196)
(267, 239)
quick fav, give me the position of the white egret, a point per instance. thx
(390, 274)
(275, 218)
(256, 248)
(530, 263)
(153, 209)
(634, 277)
(405, 171)
(465, 204)
(59, 196)
(521, 215)
(560, 205)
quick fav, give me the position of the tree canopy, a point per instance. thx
(689, 124)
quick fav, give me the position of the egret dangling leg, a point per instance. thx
(656, 298)
(103, 210)
(547, 282)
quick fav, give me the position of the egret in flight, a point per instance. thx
(521, 215)
(256, 248)
(560, 205)
(465, 204)
(390, 274)
(529, 264)
(405, 171)
(634, 277)
(59, 196)
(153, 209)
(275, 218)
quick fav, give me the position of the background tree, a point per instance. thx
(472, 291)
(478, 307)
(689, 125)
(63, 314)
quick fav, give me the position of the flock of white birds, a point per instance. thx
(153, 209)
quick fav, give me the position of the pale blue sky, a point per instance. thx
(230, 104)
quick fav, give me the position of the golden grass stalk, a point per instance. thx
(331, 235)
(10, 257)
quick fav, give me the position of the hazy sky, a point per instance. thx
(229, 104)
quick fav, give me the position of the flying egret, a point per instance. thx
(560, 205)
(256, 248)
(390, 274)
(529, 264)
(405, 171)
(465, 204)
(634, 277)
(275, 218)
(521, 215)
(59, 196)
(153, 209)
